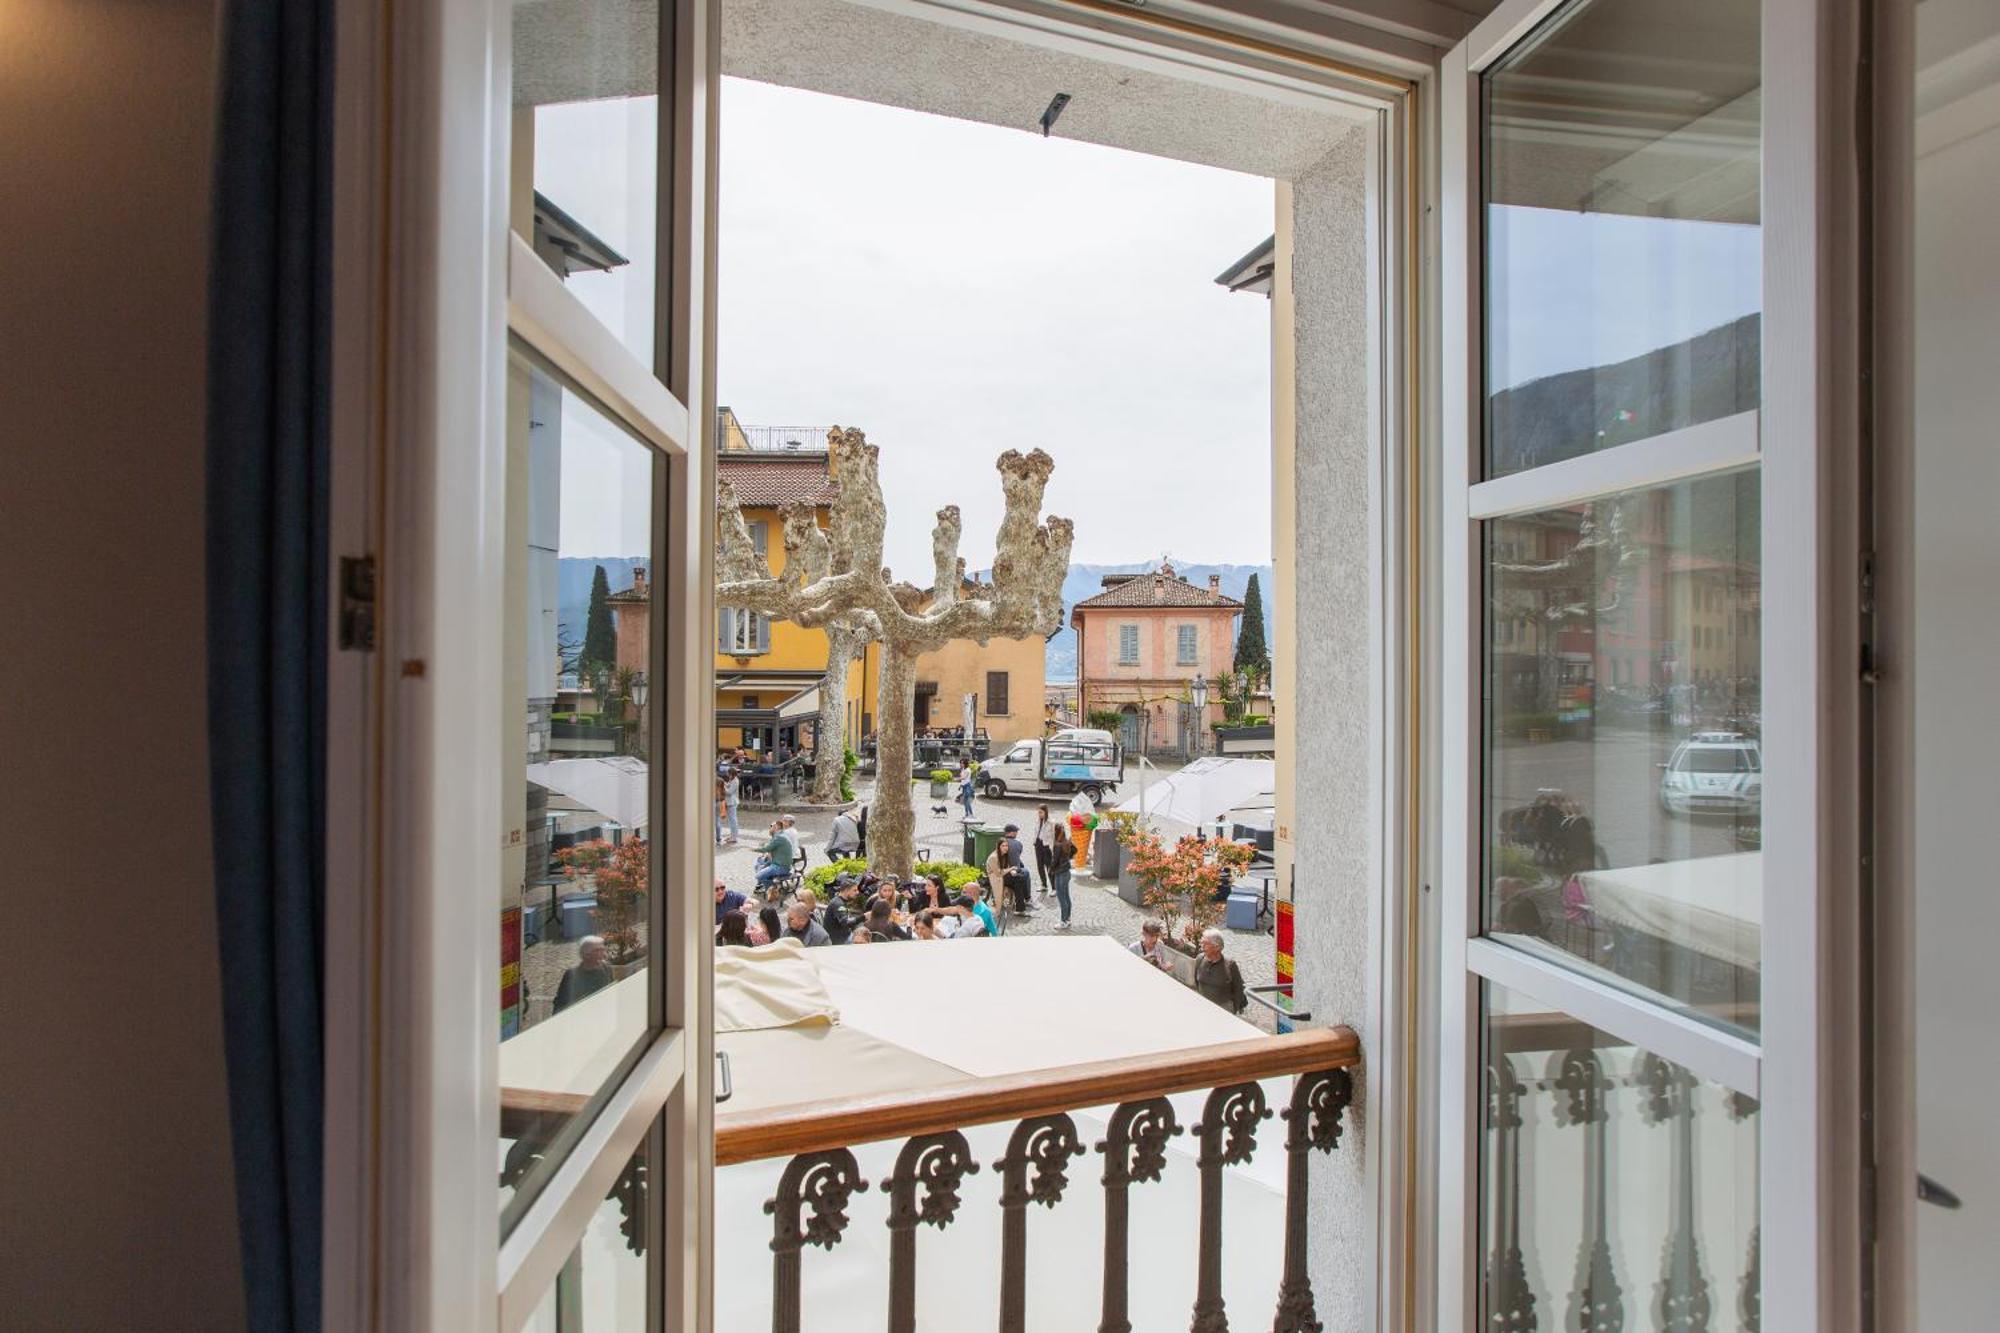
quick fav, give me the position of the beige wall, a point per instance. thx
(114, 1152)
(960, 668)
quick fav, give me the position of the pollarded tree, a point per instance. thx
(835, 574)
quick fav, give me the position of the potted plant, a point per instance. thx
(619, 876)
(1180, 883)
(940, 783)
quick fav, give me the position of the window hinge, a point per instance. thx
(357, 603)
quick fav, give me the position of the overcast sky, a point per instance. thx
(957, 290)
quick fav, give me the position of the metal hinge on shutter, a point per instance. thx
(357, 603)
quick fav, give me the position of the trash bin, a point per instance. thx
(531, 923)
(579, 916)
(980, 840)
(1241, 911)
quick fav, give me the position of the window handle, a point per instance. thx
(723, 1091)
(1929, 1191)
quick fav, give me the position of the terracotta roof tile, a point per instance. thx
(772, 482)
(1157, 589)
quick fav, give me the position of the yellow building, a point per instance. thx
(1005, 678)
(767, 673)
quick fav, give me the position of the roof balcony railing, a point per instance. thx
(822, 1173)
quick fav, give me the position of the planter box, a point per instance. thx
(1183, 965)
(1129, 887)
(1107, 858)
(940, 790)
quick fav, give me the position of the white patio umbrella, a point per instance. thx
(1204, 791)
(612, 785)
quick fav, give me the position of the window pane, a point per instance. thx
(1624, 770)
(586, 150)
(1623, 261)
(1617, 1190)
(602, 1286)
(575, 888)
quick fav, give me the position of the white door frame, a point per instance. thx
(1809, 1068)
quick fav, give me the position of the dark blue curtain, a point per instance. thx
(268, 335)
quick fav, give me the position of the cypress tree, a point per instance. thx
(1253, 658)
(600, 640)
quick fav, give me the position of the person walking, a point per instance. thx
(1045, 841)
(732, 800)
(1150, 947)
(1217, 977)
(1059, 871)
(965, 789)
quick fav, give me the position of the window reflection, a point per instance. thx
(1623, 250)
(586, 145)
(1618, 1190)
(602, 1287)
(577, 868)
(1624, 784)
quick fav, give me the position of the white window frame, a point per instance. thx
(433, 287)
(1808, 1063)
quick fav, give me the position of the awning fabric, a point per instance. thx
(803, 704)
(1712, 904)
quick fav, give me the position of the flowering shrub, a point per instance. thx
(620, 875)
(1124, 824)
(1183, 880)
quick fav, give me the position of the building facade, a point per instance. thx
(1140, 645)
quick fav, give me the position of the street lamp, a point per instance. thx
(640, 691)
(1199, 692)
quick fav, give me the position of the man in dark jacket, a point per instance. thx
(1217, 977)
(845, 910)
(591, 974)
(801, 926)
(1014, 870)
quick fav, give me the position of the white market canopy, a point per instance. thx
(1204, 791)
(612, 785)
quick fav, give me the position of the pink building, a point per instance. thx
(1139, 646)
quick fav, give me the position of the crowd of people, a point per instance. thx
(861, 908)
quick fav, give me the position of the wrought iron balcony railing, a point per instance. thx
(810, 1208)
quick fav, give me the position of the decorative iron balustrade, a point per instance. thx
(810, 1209)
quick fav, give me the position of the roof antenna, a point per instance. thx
(1056, 105)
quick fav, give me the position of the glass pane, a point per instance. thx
(576, 869)
(1623, 262)
(586, 153)
(602, 1286)
(1617, 1190)
(1624, 769)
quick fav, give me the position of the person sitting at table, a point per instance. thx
(800, 926)
(882, 925)
(861, 936)
(846, 910)
(776, 856)
(735, 929)
(727, 900)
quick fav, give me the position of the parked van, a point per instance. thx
(1067, 761)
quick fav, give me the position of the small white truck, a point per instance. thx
(1066, 761)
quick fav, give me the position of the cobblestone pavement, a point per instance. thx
(1096, 907)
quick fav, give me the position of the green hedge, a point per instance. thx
(957, 874)
(819, 877)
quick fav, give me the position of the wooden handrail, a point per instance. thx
(786, 1131)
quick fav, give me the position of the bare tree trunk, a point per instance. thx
(891, 819)
(830, 754)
